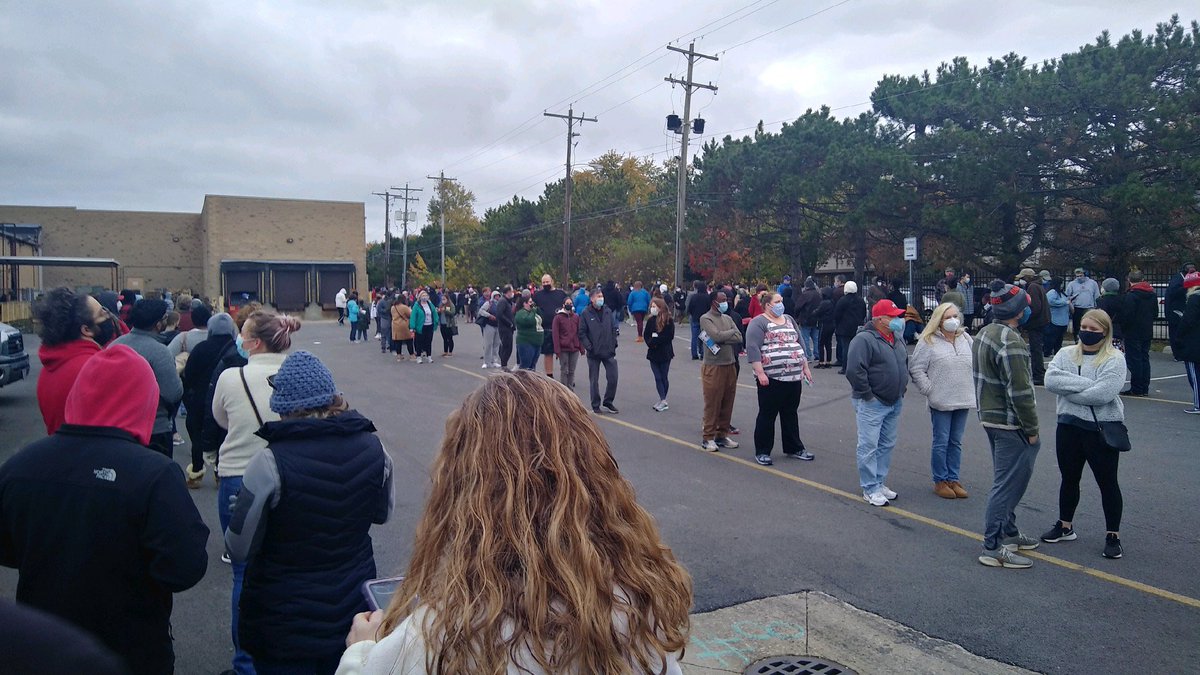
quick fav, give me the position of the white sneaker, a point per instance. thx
(484, 366)
(727, 443)
(887, 493)
(875, 499)
(709, 446)
(496, 365)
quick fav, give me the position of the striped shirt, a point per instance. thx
(777, 347)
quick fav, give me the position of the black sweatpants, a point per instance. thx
(1075, 447)
(778, 399)
(825, 346)
(506, 346)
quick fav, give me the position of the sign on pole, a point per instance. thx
(910, 248)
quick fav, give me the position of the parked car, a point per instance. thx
(14, 362)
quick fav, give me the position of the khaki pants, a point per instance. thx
(720, 388)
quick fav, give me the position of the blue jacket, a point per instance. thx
(581, 300)
(1060, 311)
(352, 311)
(639, 300)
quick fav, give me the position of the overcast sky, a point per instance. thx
(151, 105)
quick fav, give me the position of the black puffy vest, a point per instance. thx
(303, 587)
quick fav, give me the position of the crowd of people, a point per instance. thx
(99, 510)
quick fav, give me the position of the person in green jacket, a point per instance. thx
(423, 322)
(529, 334)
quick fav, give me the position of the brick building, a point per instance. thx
(291, 253)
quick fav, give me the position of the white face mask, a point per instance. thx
(952, 324)
(653, 311)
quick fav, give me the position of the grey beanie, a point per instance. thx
(1007, 301)
(221, 324)
(1111, 285)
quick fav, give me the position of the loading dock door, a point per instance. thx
(291, 290)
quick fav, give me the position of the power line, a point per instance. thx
(786, 25)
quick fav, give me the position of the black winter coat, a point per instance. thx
(659, 343)
(848, 314)
(806, 307)
(1141, 309)
(103, 531)
(598, 333)
(1189, 331)
(1116, 307)
(700, 303)
(304, 583)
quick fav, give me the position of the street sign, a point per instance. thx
(910, 248)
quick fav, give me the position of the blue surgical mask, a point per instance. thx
(1025, 315)
(896, 325)
(241, 350)
(598, 302)
(777, 309)
(723, 307)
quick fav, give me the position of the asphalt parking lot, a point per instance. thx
(746, 531)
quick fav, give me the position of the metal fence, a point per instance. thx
(1158, 278)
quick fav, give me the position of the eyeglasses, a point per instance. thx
(271, 380)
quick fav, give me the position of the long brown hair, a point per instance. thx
(532, 540)
(664, 315)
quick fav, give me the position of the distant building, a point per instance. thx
(294, 254)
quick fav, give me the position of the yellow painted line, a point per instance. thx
(892, 510)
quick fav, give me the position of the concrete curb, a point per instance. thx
(816, 624)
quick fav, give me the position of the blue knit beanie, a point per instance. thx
(302, 383)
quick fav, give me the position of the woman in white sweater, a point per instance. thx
(241, 405)
(1088, 378)
(941, 370)
(532, 556)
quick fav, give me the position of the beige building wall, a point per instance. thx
(257, 228)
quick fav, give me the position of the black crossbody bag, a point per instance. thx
(1114, 434)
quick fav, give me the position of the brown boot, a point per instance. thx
(959, 491)
(943, 490)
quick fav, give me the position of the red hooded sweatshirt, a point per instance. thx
(60, 367)
(115, 388)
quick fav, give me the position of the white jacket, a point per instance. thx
(232, 411)
(1084, 387)
(339, 300)
(943, 372)
(403, 653)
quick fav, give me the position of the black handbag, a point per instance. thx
(1114, 434)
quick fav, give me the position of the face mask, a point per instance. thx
(653, 311)
(598, 302)
(896, 325)
(952, 325)
(723, 307)
(104, 332)
(546, 287)
(1025, 315)
(777, 309)
(1022, 283)
(568, 307)
(1090, 337)
(966, 280)
(241, 349)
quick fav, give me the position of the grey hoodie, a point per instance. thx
(877, 368)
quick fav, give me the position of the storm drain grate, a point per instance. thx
(796, 665)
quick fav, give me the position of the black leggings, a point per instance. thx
(447, 340)
(825, 345)
(1075, 447)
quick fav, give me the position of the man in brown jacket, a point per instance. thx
(718, 374)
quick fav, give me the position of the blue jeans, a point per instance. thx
(810, 338)
(527, 356)
(946, 456)
(877, 427)
(230, 486)
(1012, 459)
(696, 339)
(661, 369)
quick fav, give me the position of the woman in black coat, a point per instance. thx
(822, 317)
(203, 359)
(660, 349)
(848, 316)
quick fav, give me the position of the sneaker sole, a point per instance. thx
(802, 458)
(1018, 547)
(1112, 557)
(1065, 537)
(765, 461)
(989, 561)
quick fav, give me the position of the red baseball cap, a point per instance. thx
(885, 308)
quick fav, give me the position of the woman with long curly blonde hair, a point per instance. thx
(532, 555)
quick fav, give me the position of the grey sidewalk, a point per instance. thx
(816, 624)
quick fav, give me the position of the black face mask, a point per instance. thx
(1090, 337)
(104, 332)
(546, 287)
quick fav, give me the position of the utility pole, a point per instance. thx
(571, 120)
(688, 87)
(441, 179)
(387, 234)
(406, 199)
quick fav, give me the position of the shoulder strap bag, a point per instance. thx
(1114, 434)
(253, 405)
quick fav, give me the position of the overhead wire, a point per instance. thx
(786, 25)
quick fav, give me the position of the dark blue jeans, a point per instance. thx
(230, 486)
(527, 356)
(661, 370)
(1137, 356)
(696, 339)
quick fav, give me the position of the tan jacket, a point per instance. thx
(400, 314)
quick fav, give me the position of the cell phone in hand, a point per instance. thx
(379, 592)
